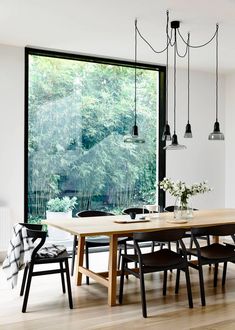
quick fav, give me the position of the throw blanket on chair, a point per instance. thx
(50, 251)
(19, 253)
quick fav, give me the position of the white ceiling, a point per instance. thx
(106, 27)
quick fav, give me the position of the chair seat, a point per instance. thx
(62, 256)
(163, 258)
(215, 251)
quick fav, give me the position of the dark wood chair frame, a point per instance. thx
(159, 262)
(95, 242)
(212, 254)
(35, 232)
(188, 234)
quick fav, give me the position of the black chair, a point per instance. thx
(212, 254)
(161, 260)
(135, 210)
(170, 208)
(93, 242)
(35, 232)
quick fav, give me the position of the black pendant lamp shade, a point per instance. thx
(166, 136)
(216, 134)
(188, 130)
(134, 136)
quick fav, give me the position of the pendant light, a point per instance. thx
(166, 136)
(134, 137)
(174, 143)
(216, 134)
(188, 131)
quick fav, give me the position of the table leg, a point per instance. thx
(215, 239)
(112, 287)
(80, 255)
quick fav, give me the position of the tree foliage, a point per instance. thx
(78, 115)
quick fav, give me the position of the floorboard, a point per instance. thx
(48, 307)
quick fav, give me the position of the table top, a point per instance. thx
(106, 225)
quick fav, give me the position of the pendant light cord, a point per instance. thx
(167, 65)
(188, 75)
(135, 68)
(175, 84)
(216, 70)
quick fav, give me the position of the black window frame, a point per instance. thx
(101, 60)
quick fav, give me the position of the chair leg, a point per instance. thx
(189, 289)
(164, 283)
(119, 256)
(143, 297)
(87, 262)
(177, 281)
(224, 273)
(73, 254)
(26, 295)
(152, 246)
(202, 289)
(215, 275)
(24, 280)
(122, 281)
(68, 284)
(62, 276)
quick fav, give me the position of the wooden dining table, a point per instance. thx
(107, 225)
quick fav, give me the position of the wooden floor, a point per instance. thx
(48, 307)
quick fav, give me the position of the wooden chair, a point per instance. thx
(212, 254)
(161, 260)
(93, 242)
(39, 236)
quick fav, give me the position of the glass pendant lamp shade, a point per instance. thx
(134, 137)
(174, 144)
(216, 134)
(188, 131)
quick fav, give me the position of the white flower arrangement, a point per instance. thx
(183, 191)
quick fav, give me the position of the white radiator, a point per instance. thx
(5, 228)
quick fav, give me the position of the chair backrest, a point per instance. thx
(168, 235)
(92, 213)
(35, 232)
(136, 210)
(221, 230)
(171, 208)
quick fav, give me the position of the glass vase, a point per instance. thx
(182, 209)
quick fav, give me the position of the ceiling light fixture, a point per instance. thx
(134, 137)
(216, 134)
(172, 36)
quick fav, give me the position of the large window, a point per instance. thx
(78, 111)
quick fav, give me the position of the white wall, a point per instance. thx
(229, 149)
(203, 159)
(12, 130)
